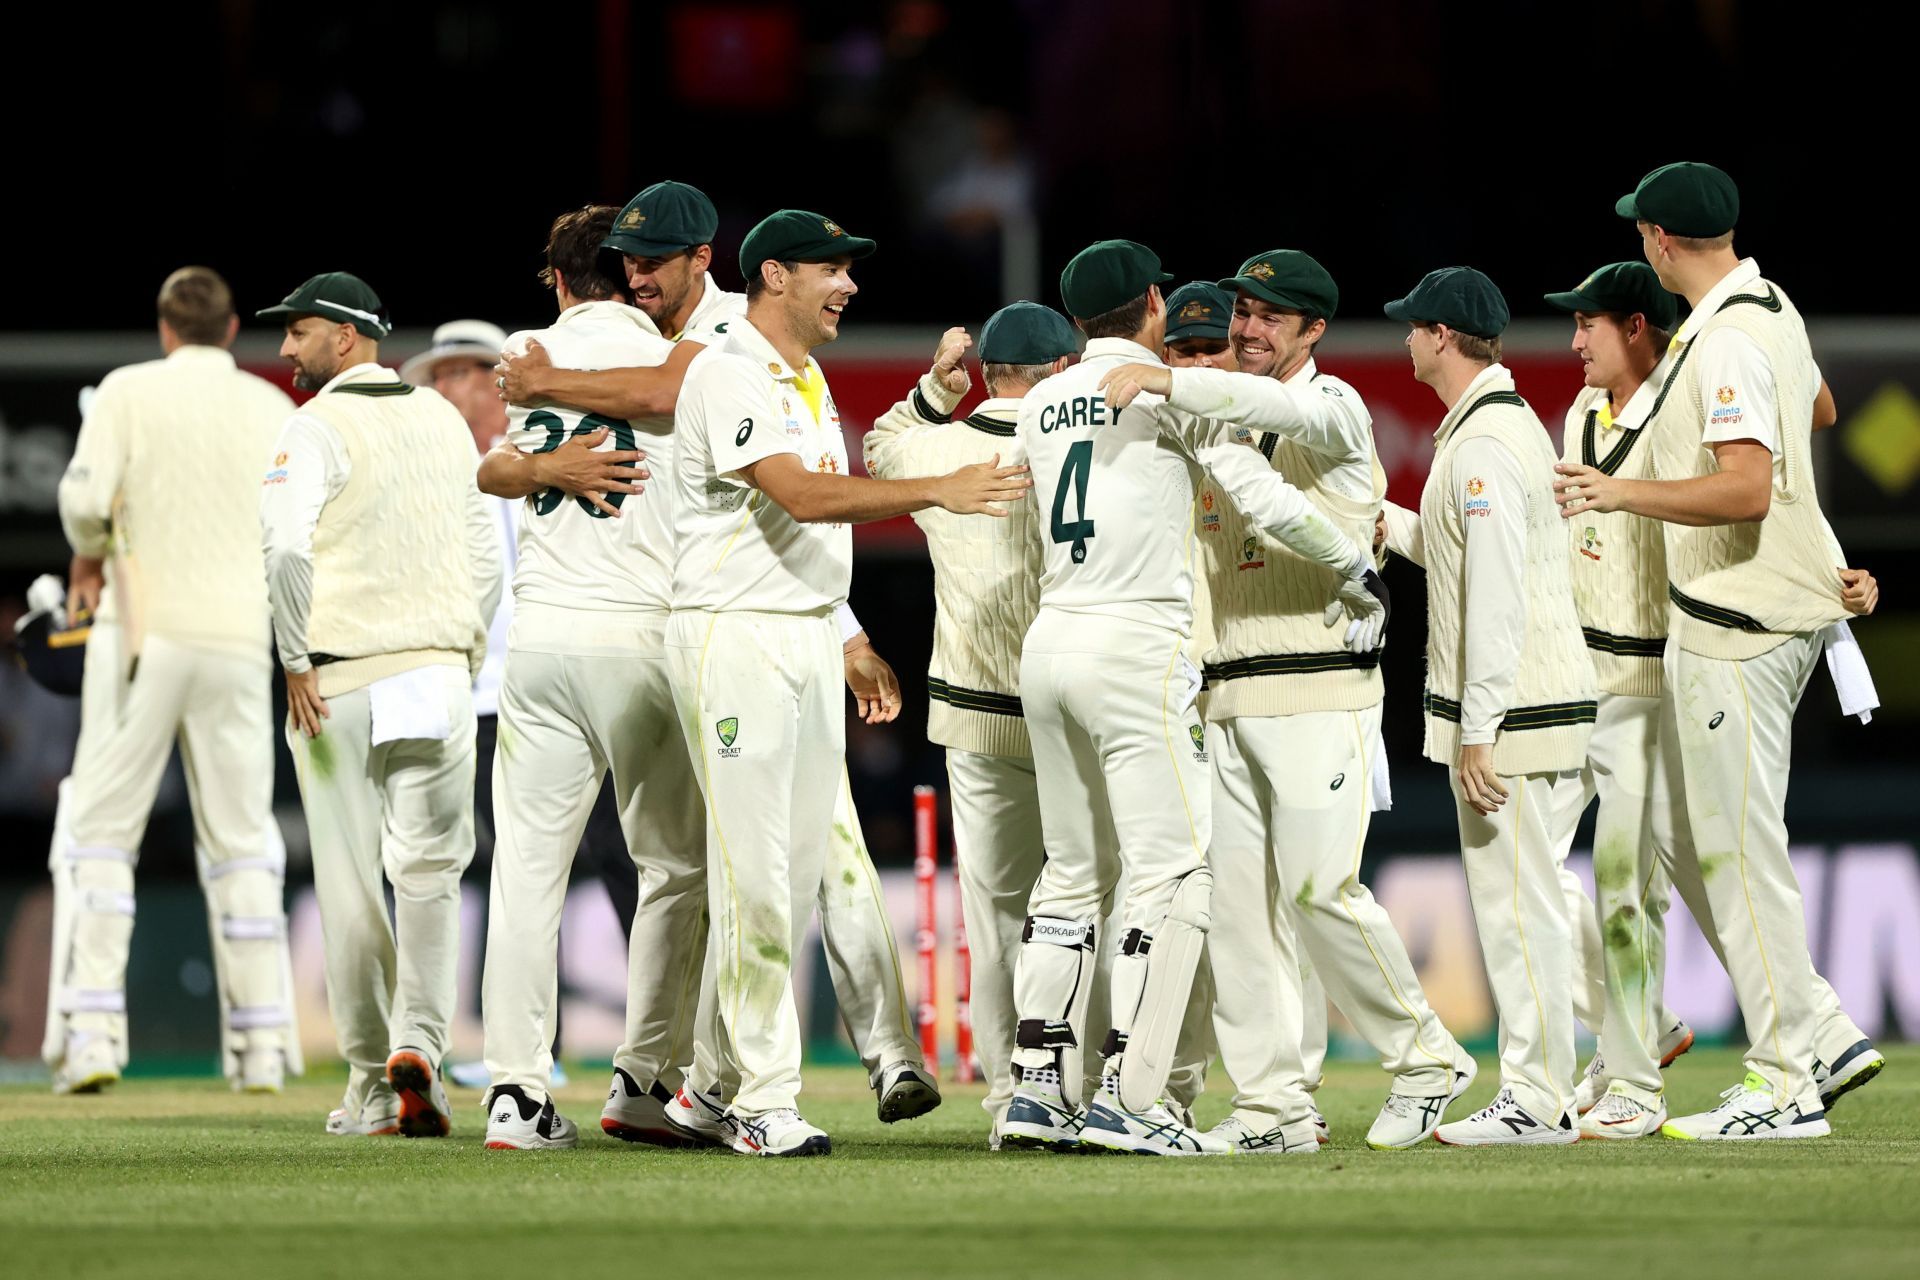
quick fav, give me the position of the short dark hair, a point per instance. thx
(1123, 321)
(197, 305)
(573, 251)
(757, 282)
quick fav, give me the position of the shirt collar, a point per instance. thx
(1633, 415)
(367, 372)
(1305, 373)
(749, 341)
(1494, 377)
(1747, 273)
(712, 299)
(607, 308)
(192, 351)
(1127, 347)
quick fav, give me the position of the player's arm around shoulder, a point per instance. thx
(889, 449)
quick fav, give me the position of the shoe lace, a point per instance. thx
(1501, 1101)
(1402, 1105)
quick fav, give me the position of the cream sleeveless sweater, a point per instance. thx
(1618, 560)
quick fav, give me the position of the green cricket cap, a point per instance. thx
(1622, 288)
(1198, 310)
(665, 218)
(794, 235)
(1457, 297)
(1288, 278)
(1686, 199)
(339, 296)
(1027, 333)
(1108, 274)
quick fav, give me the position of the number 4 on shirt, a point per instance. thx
(1077, 471)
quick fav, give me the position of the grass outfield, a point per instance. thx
(163, 1178)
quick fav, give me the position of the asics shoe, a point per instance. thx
(698, 1117)
(905, 1091)
(777, 1133)
(1747, 1112)
(1850, 1070)
(1153, 1132)
(1406, 1120)
(1297, 1139)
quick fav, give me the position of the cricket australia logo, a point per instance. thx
(728, 729)
(1199, 737)
(1248, 551)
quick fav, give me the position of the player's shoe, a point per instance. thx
(1850, 1070)
(1322, 1134)
(905, 1091)
(1747, 1113)
(1406, 1120)
(1619, 1115)
(516, 1122)
(424, 1110)
(699, 1118)
(1296, 1139)
(633, 1114)
(91, 1063)
(377, 1117)
(262, 1071)
(1594, 1082)
(1153, 1132)
(777, 1133)
(1038, 1117)
(1504, 1122)
(1674, 1041)
(469, 1075)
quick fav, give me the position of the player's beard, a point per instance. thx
(308, 377)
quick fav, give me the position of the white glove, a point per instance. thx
(46, 595)
(1366, 603)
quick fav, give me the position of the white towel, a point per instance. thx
(1379, 783)
(412, 704)
(1848, 667)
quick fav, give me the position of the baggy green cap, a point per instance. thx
(1108, 274)
(1622, 288)
(665, 218)
(1458, 297)
(1685, 199)
(1027, 333)
(1198, 310)
(339, 296)
(1288, 278)
(794, 235)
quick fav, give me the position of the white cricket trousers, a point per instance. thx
(758, 695)
(1520, 912)
(403, 809)
(1291, 808)
(586, 694)
(217, 706)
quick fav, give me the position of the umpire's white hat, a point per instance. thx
(456, 339)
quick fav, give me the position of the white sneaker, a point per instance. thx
(91, 1063)
(1849, 1071)
(1746, 1114)
(424, 1110)
(1321, 1133)
(1406, 1120)
(778, 1133)
(1153, 1132)
(1296, 1139)
(905, 1091)
(633, 1114)
(1619, 1115)
(1038, 1118)
(1504, 1122)
(261, 1071)
(516, 1122)
(378, 1117)
(697, 1117)
(1674, 1041)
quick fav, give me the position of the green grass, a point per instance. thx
(164, 1178)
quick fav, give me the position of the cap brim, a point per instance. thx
(1627, 207)
(282, 309)
(838, 247)
(1398, 310)
(639, 248)
(1574, 300)
(1211, 329)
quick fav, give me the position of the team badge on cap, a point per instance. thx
(833, 228)
(1261, 271)
(633, 219)
(1195, 311)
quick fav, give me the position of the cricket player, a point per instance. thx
(1754, 577)
(1296, 730)
(159, 504)
(1510, 691)
(1109, 697)
(382, 567)
(762, 566)
(664, 240)
(1199, 317)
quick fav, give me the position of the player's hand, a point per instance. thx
(1124, 384)
(86, 578)
(305, 707)
(974, 490)
(519, 378)
(1859, 592)
(577, 470)
(876, 690)
(950, 361)
(1367, 604)
(1581, 488)
(1479, 782)
(1379, 535)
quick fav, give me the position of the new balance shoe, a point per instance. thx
(1849, 1071)
(1504, 1122)
(261, 1071)
(905, 1091)
(516, 1122)
(91, 1063)
(698, 1117)
(1153, 1132)
(1406, 1120)
(777, 1133)
(1618, 1116)
(1296, 1139)
(1038, 1117)
(1747, 1112)
(1321, 1133)
(633, 1114)
(424, 1110)
(377, 1117)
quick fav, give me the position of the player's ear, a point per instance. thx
(702, 257)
